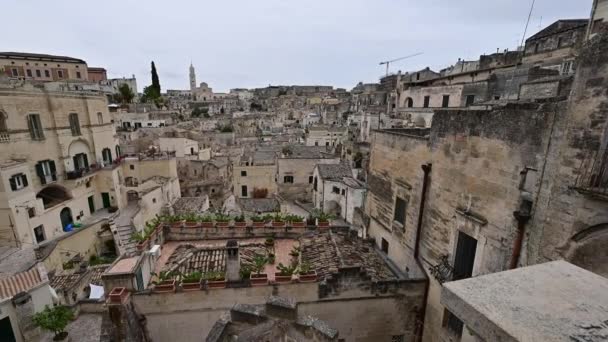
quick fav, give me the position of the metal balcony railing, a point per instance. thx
(5, 137)
(443, 271)
(593, 173)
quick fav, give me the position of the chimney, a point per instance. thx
(233, 262)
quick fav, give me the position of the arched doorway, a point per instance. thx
(132, 196)
(409, 102)
(587, 249)
(66, 217)
(52, 195)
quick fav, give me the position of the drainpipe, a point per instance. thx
(426, 168)
(522, 217)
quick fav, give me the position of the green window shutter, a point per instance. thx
(24, 180)
(13, 183)
(53, 169)
(40, 173)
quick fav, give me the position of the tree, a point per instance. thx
(54, 319)
(126, 94)
(155, 81)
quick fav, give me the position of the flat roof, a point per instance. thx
(555, 301)
(40, 57)
(124, 265)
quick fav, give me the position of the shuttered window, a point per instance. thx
(46, 171)
(74, 124)
(18, 181)
(35, 127)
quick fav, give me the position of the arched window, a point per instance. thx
(100, 118)
(409, 102)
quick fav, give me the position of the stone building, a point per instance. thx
(60, 161)
(40, 67)
(491, 188)
(295, 167)
(336, 191)
(255, 174)
(323, 135)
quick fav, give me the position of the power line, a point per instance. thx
(527, 23)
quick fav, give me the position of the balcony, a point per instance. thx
(5, 137)
(76, 174)
(593, 175)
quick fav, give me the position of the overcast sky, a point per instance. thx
(254, 43)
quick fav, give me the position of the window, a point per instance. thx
(417, 76)
(39, 233)
(464, 258)
(3, 126)
(31, 212)
(35, 127)
(46, 171)
(47, 73)
(60, 73)
(288, 179)
(77, 74)
(470, 99)
(18, 181)
(154, 200)
(38, 74)
(132, 167)
(244, 191)
(28, 72)
(427, 101)
(243, 173)
(536, 47)
(445, 102)
(400, 208)
(496, 97)
(149, 124)
(384, 246)
(560, 41)
(74, 124)
(15, 72)
(335, 190)
(409, 102)
(100, 118)
(310, 179)
(343, 192)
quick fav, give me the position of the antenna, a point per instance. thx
(527, 23)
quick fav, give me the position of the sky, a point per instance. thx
(256, 43)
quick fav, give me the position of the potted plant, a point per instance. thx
(284, 273)
(271, 258)
(258, 221)
(295, 251)
(240, 222)
(245, 272)
(268, 218)
(141, 239)
(258, 278)
(323, 219)
(278, 220)
(54, 319)
(176, 221)
(215, 280)
(192, 281)
(207, 221)
(222, 220)
(306, 274)
(269, 242)
(191, 220)
(296, 221)
(165, 282)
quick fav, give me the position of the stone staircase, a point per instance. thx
(122, 228)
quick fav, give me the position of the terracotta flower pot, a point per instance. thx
(300, 224)
(191, 224)
(282, 279)
(278, 224)
(240, 224)
(258, 279)
(117, 294)
(309, 277)
(222, 224)
(178, 224)
(165, 286)
(323, 224)
(142, 246)
(216, 284)
(259, 224)
(207, 224)
(191, 286)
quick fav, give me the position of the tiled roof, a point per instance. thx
(188, 258)
(334, 171)
(328, 251)
(65, 281)
(20, 282)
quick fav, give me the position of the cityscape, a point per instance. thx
(467, 202)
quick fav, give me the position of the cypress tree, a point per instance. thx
(155, 81)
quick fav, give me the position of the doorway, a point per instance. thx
(91, 204)
(66, 217)
(105, 199)
(6, 330)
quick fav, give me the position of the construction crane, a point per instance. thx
(398, 59)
